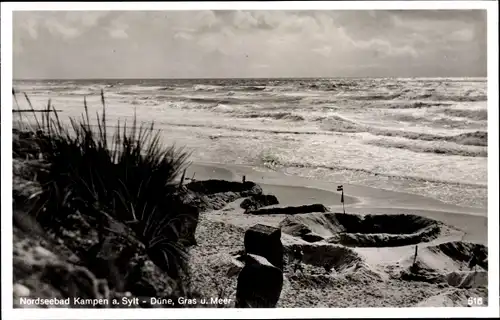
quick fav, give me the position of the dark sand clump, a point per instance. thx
(258, 201)
(290, 209)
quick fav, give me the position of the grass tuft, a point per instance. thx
(129, 174)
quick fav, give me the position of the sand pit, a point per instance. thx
(362, 231)
(447, 263)
(461, 251)
(321, 259)
(340, 257)
(448, 257)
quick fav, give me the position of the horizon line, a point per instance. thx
(254, 78)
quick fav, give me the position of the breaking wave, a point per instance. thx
(438, 121)
(453, 98)
(339, 124)
(329, 85)
(273, 162)
(203, 87)
(376, 97)
(480, 115)
(251, 88)
(166, 88)
(271, 115)
(410, 105)
(477, 138)
(241, 100)
(453, 151)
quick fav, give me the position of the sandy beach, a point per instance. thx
(313, 287)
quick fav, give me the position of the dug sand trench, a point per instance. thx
(362, 231)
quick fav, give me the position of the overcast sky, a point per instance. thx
(207, 44)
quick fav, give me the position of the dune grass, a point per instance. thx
(128, 174)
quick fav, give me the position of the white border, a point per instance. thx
(493, 160)
(247, 5)
(6, 167)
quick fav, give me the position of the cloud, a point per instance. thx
(233, 43)
(378, 46)
(118, 30)
(462, 35)
(57, 28)
(31, 26)
(183, 35)
(245, 20)
(260, 66)
(118, 34)
(324, 51)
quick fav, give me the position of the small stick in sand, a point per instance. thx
(341, 188)
(415, 257)
(244, 179)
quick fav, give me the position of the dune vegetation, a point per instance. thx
(127, 176)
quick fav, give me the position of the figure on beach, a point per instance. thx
(297, 256)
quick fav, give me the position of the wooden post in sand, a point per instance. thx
(244, 179)
(415, 257)
(341, 188)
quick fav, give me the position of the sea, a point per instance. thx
(426, 136)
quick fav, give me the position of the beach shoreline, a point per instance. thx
(361, 196)
(293, 190)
